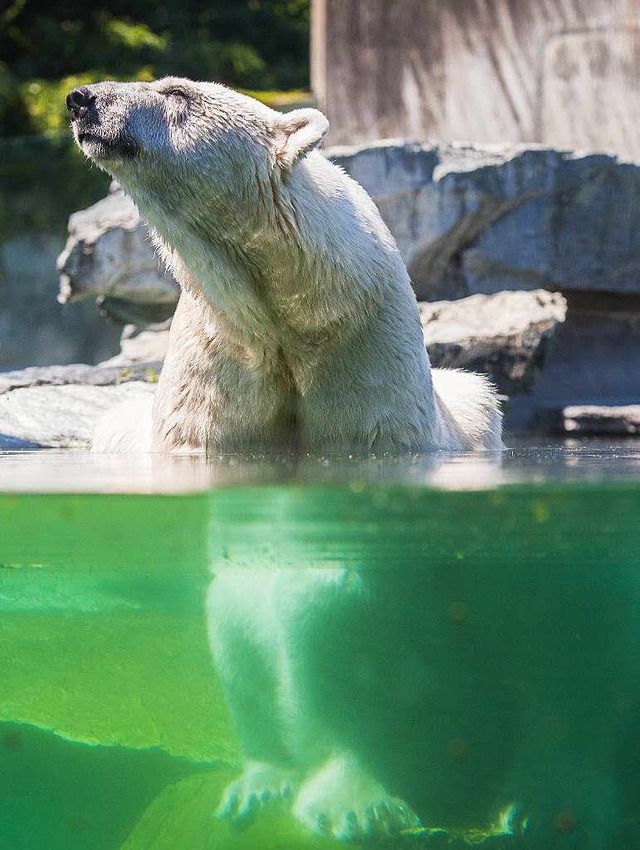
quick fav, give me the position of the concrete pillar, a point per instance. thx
(565, 73)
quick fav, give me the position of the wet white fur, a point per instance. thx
(297, 326)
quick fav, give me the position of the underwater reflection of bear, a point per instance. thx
(375, 702)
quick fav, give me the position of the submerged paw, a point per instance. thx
(260, 787)
(343, 801)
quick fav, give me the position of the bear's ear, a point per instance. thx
(298, 132)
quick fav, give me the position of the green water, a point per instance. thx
(478, 647)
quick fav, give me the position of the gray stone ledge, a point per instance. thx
(79, 374)
(506, 335)
(60, 416)
(602, 420)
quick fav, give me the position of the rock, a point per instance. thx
(108, 255)
(479, 219)
(59, 416)
(482, 219)
(96, 376)
(506, 336)
(58, 406)
(141, 345)
(597, 420)
(594, 360)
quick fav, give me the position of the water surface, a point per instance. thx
(469, 628)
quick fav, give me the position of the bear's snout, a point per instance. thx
(79, 100)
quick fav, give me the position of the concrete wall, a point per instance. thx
(565, 73)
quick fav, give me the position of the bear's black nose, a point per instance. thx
(79, 100)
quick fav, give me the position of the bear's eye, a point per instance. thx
(181, 93)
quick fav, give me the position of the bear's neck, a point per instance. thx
(270, 282)
(261, 300)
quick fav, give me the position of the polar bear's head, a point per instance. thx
(173, 135)
(241, 207)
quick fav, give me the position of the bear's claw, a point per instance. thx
(258, 788)
(344, 802)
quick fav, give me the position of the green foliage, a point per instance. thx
(255, 44)
(132, 36)
(282, 100)
(42, 181)
(44, 100)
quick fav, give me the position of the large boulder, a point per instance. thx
(506, 336)
(480, 218)
(108, 256)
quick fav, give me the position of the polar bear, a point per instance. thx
(297, 326)
(296, 329)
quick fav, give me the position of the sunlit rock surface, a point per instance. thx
(479, 218)
(474, 219)
(108, 255)
(594, 420)
(140, 344)
(506, 336)
(59, 405)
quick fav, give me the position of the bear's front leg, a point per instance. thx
(244, 643)
(329, 625)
